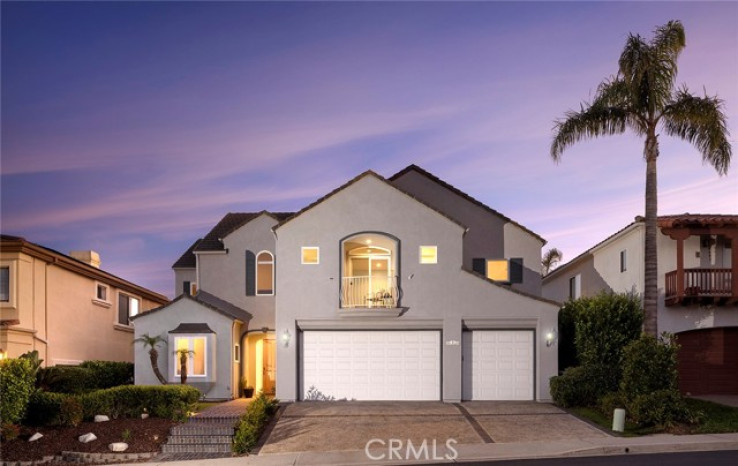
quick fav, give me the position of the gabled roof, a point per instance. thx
(188, 259)
(210, 301)
(355, 180)
(460, 193)
(192, 328)
(18, 244)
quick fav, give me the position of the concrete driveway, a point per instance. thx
(349, 425)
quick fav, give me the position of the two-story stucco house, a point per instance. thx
(384, 289)
(65, 306)
(698, 290)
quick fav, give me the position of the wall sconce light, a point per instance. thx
(3, 354)
(550, 338)
(286, 338)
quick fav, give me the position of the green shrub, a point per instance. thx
(649, 365)
(662, 408)
(606, 324)
(67, 379)
(17, 381)
(609, 402)
(107, 374)
(169, 401)
(9, 431)
(70, 412)
(568, 316)
(44, 409)
(577, 386)
(252, 424)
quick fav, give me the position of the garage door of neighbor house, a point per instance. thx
(708, 361)
(372, 364)
(498, 365)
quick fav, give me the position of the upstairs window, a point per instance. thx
(128, 306)
(428, 254)
(623, 263)
(101, 292)
(265, 274)
(575, 287)
(310, 255)
(4, 284)
(500, 270)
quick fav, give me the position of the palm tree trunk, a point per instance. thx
(154, 357)
(183, 368)
(651, 292)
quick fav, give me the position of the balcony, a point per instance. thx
(700, 285)
(367, 292)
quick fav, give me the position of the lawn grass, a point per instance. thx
(716, 418)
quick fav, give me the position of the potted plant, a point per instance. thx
(246, 390)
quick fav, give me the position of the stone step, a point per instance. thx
(214, 420)
(198, 439)
(209, 448)
(201, 429)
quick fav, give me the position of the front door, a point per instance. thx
(269, 366)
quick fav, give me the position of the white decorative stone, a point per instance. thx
(87, 438)
(144, 415)
(118, 446)
(35, 437)
(101, 418)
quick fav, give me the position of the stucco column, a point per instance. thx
(451, 349)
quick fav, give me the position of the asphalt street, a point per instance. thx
(701, 458)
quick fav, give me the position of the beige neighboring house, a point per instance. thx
(65, 306)
(698, 290)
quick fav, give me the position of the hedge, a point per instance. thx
(107, 374)
(252, 423)
(128, 401)
(87, 377)
(17, 379)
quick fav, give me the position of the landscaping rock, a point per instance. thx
(118, 446)
(35, 437)
(144, 415)
(87, 438)
(101, 418)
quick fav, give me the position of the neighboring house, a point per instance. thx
(385, 289)
(64, 306)
(698, 290)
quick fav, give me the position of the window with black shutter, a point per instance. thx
(250, 273)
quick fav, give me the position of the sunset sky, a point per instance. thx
(132, 128)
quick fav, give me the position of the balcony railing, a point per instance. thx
(698, 283)
(369, 292)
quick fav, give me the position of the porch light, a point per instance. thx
(286, 338)
(550, 338)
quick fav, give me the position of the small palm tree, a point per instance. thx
(642, 98)
(550, 258)
(151, 343)
(184, 355)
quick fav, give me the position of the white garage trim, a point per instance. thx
(371, 364)
(498, 365)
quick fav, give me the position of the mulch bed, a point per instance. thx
(146, 435)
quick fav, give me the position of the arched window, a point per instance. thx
(369, 270)
(264, 274)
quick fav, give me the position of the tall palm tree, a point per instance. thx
(151, 343)
(550, 258)
(642, 98)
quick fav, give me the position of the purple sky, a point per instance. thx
(132, 128)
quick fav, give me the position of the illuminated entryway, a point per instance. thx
(260, 370)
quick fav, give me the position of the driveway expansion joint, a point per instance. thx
(475, 425)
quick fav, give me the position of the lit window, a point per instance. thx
(623, 264)
(265, 273)
(197, 357)
(5, 284)
(310, 255)
(498, 270)
(128, 306)
(193, 289)
(575, 287)
(428, 254)
(237, 353)
(101, 292)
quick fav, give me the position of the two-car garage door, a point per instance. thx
(406, 364)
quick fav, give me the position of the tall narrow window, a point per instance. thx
(102, 292)
(186, 287)
(128, 306)
(264, 274)
(575, 287)
(5, 284)
(623, 264)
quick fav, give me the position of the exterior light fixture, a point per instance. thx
(3, 354)
(550, 338)
(286, 338)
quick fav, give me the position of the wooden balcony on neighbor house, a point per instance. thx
(699, 286)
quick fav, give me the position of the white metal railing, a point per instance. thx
(369, 291)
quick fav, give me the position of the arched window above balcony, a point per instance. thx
(369, 270)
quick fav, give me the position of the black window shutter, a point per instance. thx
(185, 287)
(516, 270)
(479, 265)
(250, 273)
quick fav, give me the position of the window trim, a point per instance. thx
(434, 259)
(317, 255)
(96, 299)
(6, 302)
(575, 292)
(236, 353)
(256, 272)
(190, 363)
(117, 309)
(623, 261)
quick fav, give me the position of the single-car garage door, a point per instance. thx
(498, 365)
(372, 365)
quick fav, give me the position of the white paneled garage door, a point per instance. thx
(498, 365)
(372, 365)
